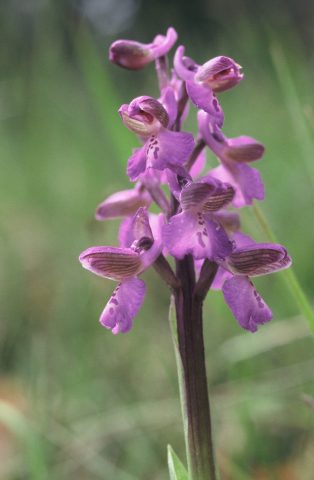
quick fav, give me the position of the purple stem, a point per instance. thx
(189, 303)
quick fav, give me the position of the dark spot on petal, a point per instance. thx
(156, 153)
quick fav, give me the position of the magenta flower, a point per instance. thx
(163, 148)
(135, 55)
(203, 81)
(195, 230)
(234, 154)
(124, 264)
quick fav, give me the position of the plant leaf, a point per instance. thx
(177, 470)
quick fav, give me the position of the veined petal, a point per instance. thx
(149, 107)
(111, 262)
(246, 304)
(220, 73)
(124, 203)
(245, 180)
(191, 233)
(196, 194)
(123, 306)
(204, 98)
(223, 195)
(243, 149)
(259, 259)
(136, 163)
(168, 149)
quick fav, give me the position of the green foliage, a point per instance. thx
(177, 470)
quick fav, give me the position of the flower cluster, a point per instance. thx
(196, 217)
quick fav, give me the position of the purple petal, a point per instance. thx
(229, 220)
(135, 55)
(111, 262)
(203, 97)
(242, 240)
(144, 116)
(177, 181)
(246, 304)
(184, 66)
(191, 233)
(124, 203)
(198, 165)
(123, 306)
(220, 244)
(220, 73)
(245, 180)
(196, 194)
(210, 131)
(168, 149)
(259, 259)
(149, 256)
(221, 276)
(223, 195)
(243, 149)
(141, 230)
(162, 44)
(144, 236)
(136, 163)
(169, 102)
(126, 237)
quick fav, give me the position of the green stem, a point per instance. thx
(192, 375)
(288, 275)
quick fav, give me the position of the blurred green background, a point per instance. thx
(76, 401)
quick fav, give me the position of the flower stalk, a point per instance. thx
(194, 390)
